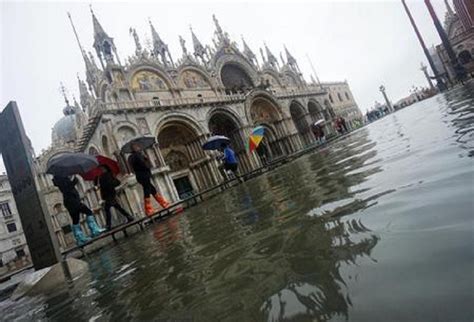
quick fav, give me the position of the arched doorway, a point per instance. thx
(265, 112)
(267, 150)
(224, 123)
(298, 116)
(235, 79)
(180, 147)
(315, 111)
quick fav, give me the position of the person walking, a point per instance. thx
(73, 204)
(343, 124)
(229, 159)
(319, 133)
(141, 166)
(107, 183)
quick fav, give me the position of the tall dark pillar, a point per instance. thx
(459, 69)
(439, 81)
(16, 151)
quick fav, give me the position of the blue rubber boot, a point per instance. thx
(79, 235)
(93, 227)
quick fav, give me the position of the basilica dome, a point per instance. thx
(64, 130)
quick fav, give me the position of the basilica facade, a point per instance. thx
(220, 89)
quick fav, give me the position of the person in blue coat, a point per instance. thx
(229, 159)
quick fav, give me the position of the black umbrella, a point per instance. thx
(144, 141)
(67, 164)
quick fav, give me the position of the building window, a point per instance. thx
(11, 227)
(339, 96)
(66, 229)
(330, 98)
(20, 253)
(347, 96)
(5, 209)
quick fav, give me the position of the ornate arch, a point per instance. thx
(121, 135)
(227, 111)
(190, 83)
(168, 83)
(272, 74)
(298, 116)
(316, 104)
(300, 105)
(178, 117)
(261, 95)
(238, 61)
(121, 124)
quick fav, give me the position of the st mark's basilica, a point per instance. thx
(211, 89)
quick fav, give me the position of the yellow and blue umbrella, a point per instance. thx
(255, 138)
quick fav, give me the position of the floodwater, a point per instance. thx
(376, 227)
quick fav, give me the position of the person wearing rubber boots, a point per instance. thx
(141, 166)
(107, 183)
(73, 204)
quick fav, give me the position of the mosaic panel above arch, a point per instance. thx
(191, 79)
(148, 81)
(175, 134)
(263, 111)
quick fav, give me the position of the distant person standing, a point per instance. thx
(73, 204)
(107, 183)
(141, 166)
(343, 124)
(319, 133)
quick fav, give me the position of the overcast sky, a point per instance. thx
(366, 42)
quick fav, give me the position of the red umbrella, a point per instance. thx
(94, 173)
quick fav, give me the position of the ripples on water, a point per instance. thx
(377, 226)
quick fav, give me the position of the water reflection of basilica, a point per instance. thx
(260, 255)
(254, 253)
